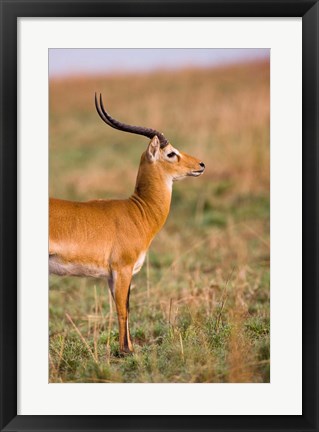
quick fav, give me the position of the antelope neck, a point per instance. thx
(153, 195)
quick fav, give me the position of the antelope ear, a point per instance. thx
(153, 149)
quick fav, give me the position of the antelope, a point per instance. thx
(110, 238)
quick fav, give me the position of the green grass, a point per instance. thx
(200, 306)
(182, 328)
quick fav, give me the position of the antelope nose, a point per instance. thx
(202, 164)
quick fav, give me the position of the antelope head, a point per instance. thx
(160, 156)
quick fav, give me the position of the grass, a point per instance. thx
(200, 307)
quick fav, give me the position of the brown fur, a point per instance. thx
(107, 238)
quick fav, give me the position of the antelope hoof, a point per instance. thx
(126, 351)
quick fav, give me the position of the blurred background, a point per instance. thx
(200, 305)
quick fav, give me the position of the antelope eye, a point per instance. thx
(170, 155)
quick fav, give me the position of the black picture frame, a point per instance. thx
(10, 11)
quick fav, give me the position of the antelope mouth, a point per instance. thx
(196, 173)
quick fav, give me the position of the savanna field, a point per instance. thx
(200, 306)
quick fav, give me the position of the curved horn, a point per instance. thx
(105, 116)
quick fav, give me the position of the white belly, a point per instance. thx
(60, 268)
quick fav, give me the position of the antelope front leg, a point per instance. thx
(122, 297)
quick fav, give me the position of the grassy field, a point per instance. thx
(200, 309)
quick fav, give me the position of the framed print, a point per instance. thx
(223, 329)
